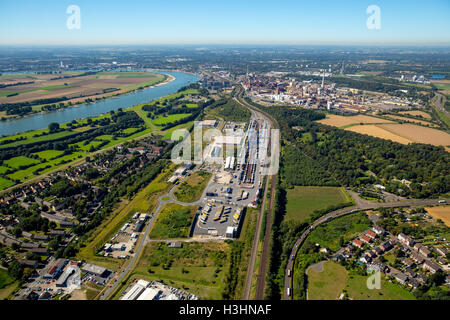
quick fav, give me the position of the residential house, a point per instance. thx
(403, 238)
(378, 230)
(424, 251)
(40, 251)
(372, 235)
(408, 262)
(357, 243)
(417, 257)
(386, 246)
(410, 272)
(421, 278)
(365, 259)
(401, 277)
(441, 251)
(431, 266)
(414, 283)
(365, 239)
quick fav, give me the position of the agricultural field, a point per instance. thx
(302, 201)
(326, 281)
(419, 134)
(376, 131)
(196, 267)
(344, 121)
(192, 187)
(49, 154)
(174, 221)
(400, 118)
(440, 212)
(417, 113)
(442, 85)
(405, 133)
(5, 183)
(75, 86)
(20, 161)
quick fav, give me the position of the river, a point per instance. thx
(42, 120)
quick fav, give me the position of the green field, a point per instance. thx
(442, 86)
(49, 154)
(5, 279)
(328, 234)
(20, 161)
(4, 169)
(356, 288)
(174, 221)
(328, 284)
(334, 279)
(5, 183)
(302, 201)
(169, 118)
(30, 139)
(192, 187)
(198, 268)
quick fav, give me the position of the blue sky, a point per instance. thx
(403, 22)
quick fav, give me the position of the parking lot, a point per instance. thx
(231, 190)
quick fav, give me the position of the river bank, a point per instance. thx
(74, 102)
(173, 82)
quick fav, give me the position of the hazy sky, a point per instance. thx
(226, 21)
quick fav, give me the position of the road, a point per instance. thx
(339, 213)
(261, 280)
(111, 287)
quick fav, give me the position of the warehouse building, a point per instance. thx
(136, 290)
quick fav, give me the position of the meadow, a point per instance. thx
(198, 268)
(328, 283)
(334, 279)
(302, 201)
(174, 221)
(192, 187)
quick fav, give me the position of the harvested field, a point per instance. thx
(419, 134)
(341, 121)
(426, 123)
(417, 113)
(441, 212)
(43, 87)
(376, 131)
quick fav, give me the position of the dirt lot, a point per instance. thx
(340, 121)
(441, 212)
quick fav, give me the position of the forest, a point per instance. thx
(334, 156)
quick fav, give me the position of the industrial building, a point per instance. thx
(150, 294)
(136, 290)
(93, 269)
